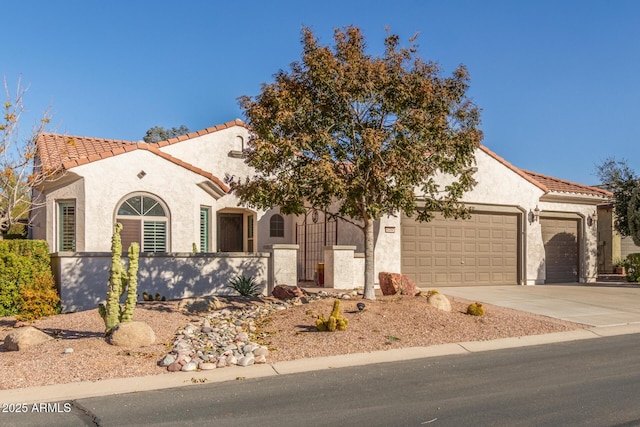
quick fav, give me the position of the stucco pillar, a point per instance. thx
(358, 270)
(339, 267)
(283, 265)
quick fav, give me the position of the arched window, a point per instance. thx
(144, 220)
(276, 226)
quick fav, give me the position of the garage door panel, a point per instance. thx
(560, 237)
(479, 251)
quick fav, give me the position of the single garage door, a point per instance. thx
(628, 247)
(446, 252)
(560, 238)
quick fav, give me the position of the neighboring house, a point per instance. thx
(612, 247)
(526, 228)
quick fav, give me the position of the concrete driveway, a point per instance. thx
(594, 304)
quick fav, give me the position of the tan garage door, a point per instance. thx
(560, 238)
(628, 247)
(445, 252)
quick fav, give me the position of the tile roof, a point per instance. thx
(62, 152)
(549, 184)
(558, 185)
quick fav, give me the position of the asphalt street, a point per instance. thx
(587, 382)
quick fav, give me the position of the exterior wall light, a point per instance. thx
(534, 215)
(592, 219)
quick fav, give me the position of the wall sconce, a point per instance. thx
(534, 215)
(592, 219)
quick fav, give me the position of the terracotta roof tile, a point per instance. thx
(550, 184)
(59, 152)
(558, 185)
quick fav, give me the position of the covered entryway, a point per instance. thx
(483, 250)
(560, 237)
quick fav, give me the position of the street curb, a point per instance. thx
(88, 389)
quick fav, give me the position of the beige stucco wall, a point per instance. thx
(175, 186)
(211, 152)
(69, 188)
(82, 277)
(588, 239)
(500, 188)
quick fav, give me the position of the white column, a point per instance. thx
(283, 265)
(339, 267)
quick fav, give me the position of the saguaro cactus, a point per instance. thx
(132, 283)
(120, 280)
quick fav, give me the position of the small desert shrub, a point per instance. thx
(157, 297)
(475, 309)
(632, 265)
(245, 286)
(335, 322)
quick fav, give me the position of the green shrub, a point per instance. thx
(632, 266)
(27, 288)
(475, 309)
(245, 286)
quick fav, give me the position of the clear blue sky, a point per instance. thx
(557, 80)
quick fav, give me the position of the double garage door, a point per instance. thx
(445, 252)
(484, 250)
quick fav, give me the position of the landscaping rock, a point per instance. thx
(25, 337)
(395, 283)
(189, 367)
(167, 360)
(206, 366)
(174, 367)
(200, 304)
(131, 334)
(284, 292)
(439, 301)
(246, 361)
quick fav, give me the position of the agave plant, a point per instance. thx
(245, 286)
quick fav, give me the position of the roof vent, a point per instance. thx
(141, 174)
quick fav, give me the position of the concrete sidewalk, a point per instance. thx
(609, 310)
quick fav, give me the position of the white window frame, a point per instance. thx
(62, 229)
(146, 221)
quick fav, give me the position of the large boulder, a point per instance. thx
(25, 337)
(131, 334)
(395, 283)
(439, 301)
(285, 292)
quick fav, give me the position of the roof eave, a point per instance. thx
(212, 189)
(583, 199)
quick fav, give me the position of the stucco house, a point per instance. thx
(526, 228)
(612, 247)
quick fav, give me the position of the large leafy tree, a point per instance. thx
(20, 171)
(633, 215)
(357, 135)
(621, 180)
(158, 133)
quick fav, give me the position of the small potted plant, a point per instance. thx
(618, 267)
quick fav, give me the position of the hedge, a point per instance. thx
(27, 287)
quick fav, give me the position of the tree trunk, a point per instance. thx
(369, 291)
